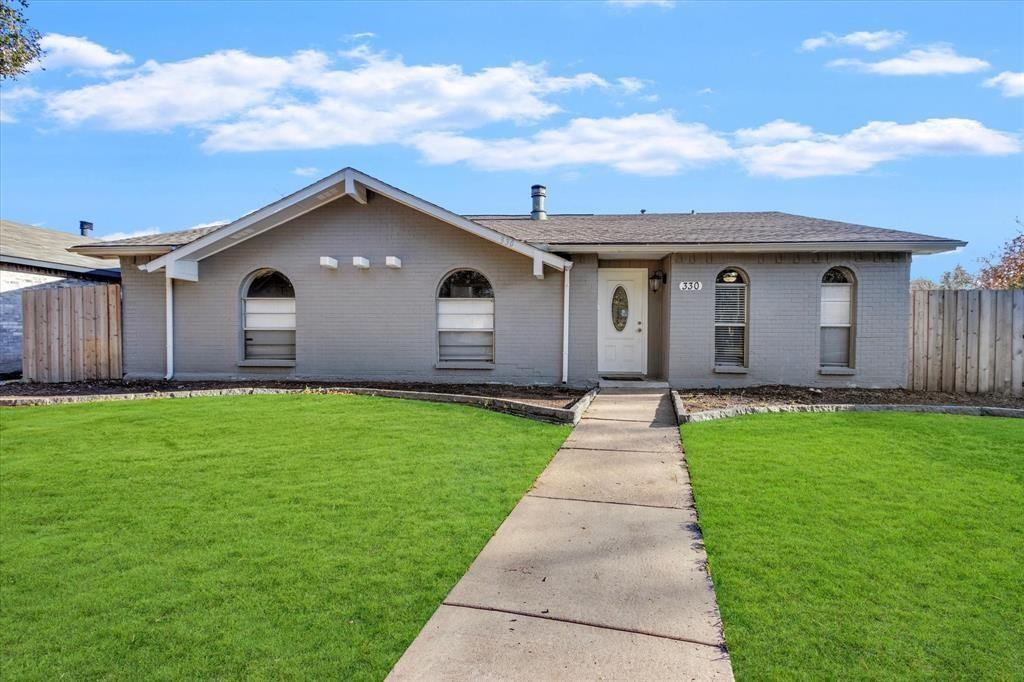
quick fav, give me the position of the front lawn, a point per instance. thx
(299, 536)
(865, 545)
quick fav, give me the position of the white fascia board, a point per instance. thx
(183, 269)
(920, 247)
(267, 211)
(114, 251)
(355, 183)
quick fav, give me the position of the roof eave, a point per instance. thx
(115, 250)
(916, 247)
(62, 267)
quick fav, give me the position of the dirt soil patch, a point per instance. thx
(547, 396)
(696, 400)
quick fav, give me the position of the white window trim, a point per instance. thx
(745, 285)
(441, 363)
(850, 366)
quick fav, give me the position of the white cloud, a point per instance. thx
(78, 52)
(633, 4)
(128, 235)
(706, 91)
(646, 144)
(363, 35)
(631, 85)
(212, 223)
(1010, 82)
(384, 100)
(875, 143)
(306, 171)
(927, 61)
(13, 100)
(190, 92)
(243, 102)
(775, 131)
(660, 144)
(872, 41)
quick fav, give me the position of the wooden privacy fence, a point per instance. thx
(71, 333)
(967, 341)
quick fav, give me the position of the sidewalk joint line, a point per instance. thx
(653, 422)
(656, 452)
(574, 621)
(625, 504)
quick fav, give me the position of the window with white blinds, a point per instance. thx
(837, 318)
(268, 317)
(465, 318)
(731, 319)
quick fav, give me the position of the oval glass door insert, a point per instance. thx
(620, 308)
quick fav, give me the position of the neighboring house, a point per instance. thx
(35, 258)
(351, 278)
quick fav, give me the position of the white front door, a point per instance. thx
(622, 321)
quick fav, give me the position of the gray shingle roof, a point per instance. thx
(47, 246)
(164, 238)
(690, 228)
(650, 228)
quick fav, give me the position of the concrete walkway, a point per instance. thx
(598, 573)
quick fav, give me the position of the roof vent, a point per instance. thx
(84, 228)
(539, 194)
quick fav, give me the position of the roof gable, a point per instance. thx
(182, 262)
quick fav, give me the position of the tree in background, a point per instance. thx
(1005, 270)
(922, 284)
(19, 42)
(957, 278)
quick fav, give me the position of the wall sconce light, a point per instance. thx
(656, 280)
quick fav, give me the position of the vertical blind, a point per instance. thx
(730, 324)
(836, 323)
(465, 329)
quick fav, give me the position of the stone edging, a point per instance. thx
(558, 415)
(684, 417)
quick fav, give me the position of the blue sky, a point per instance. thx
(162, 116)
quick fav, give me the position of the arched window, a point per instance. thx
(837, 318)
(731, 318)
(268, 319)
(465, 318)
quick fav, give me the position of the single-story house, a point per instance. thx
(351, 278)
(37, 258)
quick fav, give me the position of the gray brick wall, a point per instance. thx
(783, 332)
(142, 313)
(381, 323)
(374, 324)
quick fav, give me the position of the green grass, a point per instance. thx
(865, 545)
(293, 536)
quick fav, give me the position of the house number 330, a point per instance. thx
(690, 286)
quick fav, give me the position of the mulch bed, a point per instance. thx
(548, 396)
(696, 400)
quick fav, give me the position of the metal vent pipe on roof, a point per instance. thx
(84, 228)
(539, 194)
